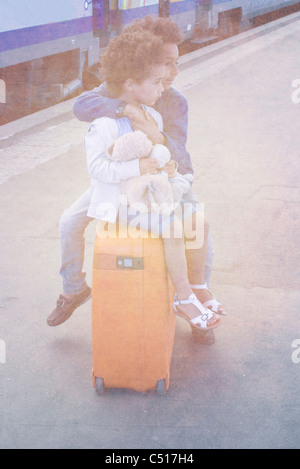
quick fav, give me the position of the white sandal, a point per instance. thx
(213, 305)
(199, 322)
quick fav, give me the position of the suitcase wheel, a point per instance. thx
(161, 387)
(99, 385)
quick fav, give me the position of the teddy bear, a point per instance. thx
(148, 191)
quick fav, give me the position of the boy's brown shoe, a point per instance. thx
(66, 306)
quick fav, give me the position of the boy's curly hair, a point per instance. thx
(165, 28)
(131, 55)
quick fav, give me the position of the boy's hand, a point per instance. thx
(134, 113)
(148, 165)
(170, 168)
(142, 120)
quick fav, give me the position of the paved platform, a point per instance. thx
(242, 391)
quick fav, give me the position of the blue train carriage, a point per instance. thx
(196, 18)
(48, 49)
(44, 49)
(111, 16)
(231, 16)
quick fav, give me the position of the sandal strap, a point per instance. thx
(202, 319)
(184, 302)
(213, 302)
(205, 313)
(191, 299)
(199, 287)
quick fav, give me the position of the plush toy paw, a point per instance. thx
(150, 192)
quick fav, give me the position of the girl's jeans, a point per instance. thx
(73, 223)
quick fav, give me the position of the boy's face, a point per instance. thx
(149, 90)
(171, 62)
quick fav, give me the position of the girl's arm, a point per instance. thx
(99, 135)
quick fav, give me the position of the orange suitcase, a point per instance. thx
(133, 323)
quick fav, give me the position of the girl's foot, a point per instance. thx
(207, 299)
(196, 313)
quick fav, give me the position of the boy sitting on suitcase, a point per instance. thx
(133, 68)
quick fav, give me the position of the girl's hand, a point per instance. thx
(148, 165)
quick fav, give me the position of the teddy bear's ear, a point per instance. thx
(110, 148)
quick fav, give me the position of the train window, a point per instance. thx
(113, 5)
(128, 4)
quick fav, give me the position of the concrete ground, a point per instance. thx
(240, 392)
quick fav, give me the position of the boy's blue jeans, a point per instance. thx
(73, 223)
